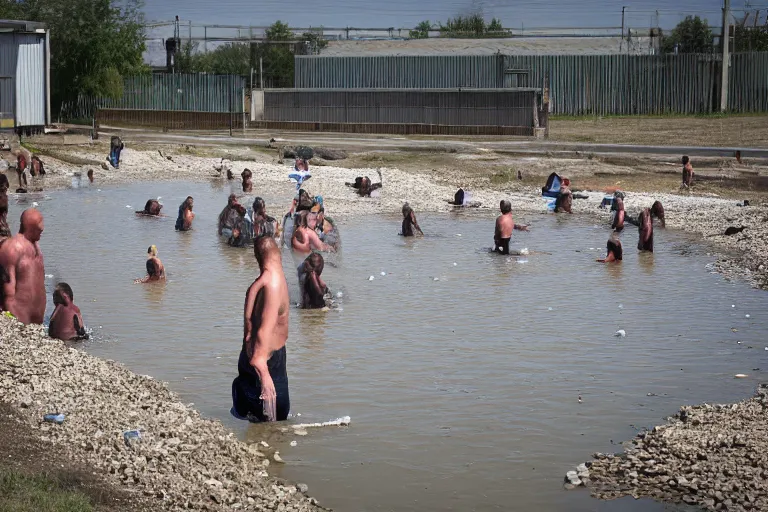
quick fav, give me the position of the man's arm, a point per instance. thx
(520, 227)
(315, 243)
(8, 260)
(250, 301)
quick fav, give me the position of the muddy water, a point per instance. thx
(461, 370)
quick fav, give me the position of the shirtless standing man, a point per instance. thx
(66, 321)
(23, 290)
(505, 224)
(645, 227)
(260, 391)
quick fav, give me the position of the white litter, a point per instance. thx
(746, 316)
(733, 305)
(740, 376)
(383, 273)
(371, 278)
(621, 333)
(621, 306)
(436, 279)
(549, 309)
(524, 251)
(455, 264)
(339, 295)
(128, 206)
(294, 443)
(338, 422)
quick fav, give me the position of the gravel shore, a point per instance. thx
(181, 461)
(713, 456)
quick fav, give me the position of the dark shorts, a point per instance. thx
(246, 388)
(503, 246)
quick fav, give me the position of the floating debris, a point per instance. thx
(740, 376)
(371, 278)
(621, 333)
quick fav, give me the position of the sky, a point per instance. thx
(407, 13)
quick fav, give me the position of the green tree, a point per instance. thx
(421, 31)
(315, 39)
(692, 35)
(94, 43)
(750, 39)
(495, 26)
(276, 55)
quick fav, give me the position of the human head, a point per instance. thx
(31, 224)
(302, 219)
(151, 267)
(246, 174)
(686, 160)
(505, 206)
(90, 175)
(618, 205)
(316, 263)
(231, 200)
(407, 210)
(657, 210)
(265, 248)
(63, 295)
(566, 182)
(230, 176)
(188, 202)
(240, 209)
(614, 246)
(259, 207)
(152, 251)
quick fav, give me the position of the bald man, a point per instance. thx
(23, 287)
(260, 391)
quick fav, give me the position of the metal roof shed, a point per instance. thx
(24, 75)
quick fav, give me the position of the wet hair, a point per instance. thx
(4, 183)
(505, 206)
(316, 262)
(686, 159)
(407, 210)
(151, 267)
(614, 246)
(246, 174)
(187, 204)
(302, 219)
(230, 176)
(262, 246)
(657, 210)
(90, 172)
(232, 199)
(66, 290)
(258, 204)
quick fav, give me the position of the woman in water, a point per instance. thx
(155, 268)
(410, 225)
(184, 220)
(614, 251)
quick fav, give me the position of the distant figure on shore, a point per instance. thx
(564, 200)
(614, 251)
(657, 211)
(155, 268)
(21, 161)
(410, 226)
(5, 230)
(23, 286)
(66, 321)
(687, 172)
(263, 224)
(260, 391)
(505, 224)
(304, 238)
(185, 218)
(645, 228)
(313, 288)
(151, 208)
(619, 214)
(22, 177)
(37, 168)
(247, 176)
(364, 186)
(116, 147)
(230, 175)
(90, 175)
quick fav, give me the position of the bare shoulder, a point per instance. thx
(11, 250)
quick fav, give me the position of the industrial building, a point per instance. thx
(25, 104)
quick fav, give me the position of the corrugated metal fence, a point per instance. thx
(179, 92)
(579, 84)
(496, 107)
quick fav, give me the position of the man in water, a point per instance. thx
(37, 168)
(505, 224)
(645, 228)
(409, 222)
(22, 176)
(247, 176)
(228, 218)
(90, 175)
(260, 391)
(66, 321)
(687, 172)
(305, 239)
(313, 288)
(184, 220)
(116, 146)
(155, 268)
(23, 292)
(152, 208)
(618, 217)
(564, 201)
(263, 224)
(614, 251)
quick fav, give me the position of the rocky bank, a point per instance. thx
(713, 456)
(181, 461)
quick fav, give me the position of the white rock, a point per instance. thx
(277, 457)
(582, 468)
(294, 443)
(213, 483)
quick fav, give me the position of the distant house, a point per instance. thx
(24, 76)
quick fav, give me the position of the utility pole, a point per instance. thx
(725, 40)
(621, 44)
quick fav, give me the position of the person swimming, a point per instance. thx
(410, 226)
(505, 224)
(184, 220)
(614, 251)
(364, 186)
(151, 208)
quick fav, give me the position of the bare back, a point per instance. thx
(267, 306)
(66, 323)
(24, 292)
(505, 224)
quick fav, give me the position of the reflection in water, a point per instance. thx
(462, 391)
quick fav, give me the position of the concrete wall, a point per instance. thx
(257, 105)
